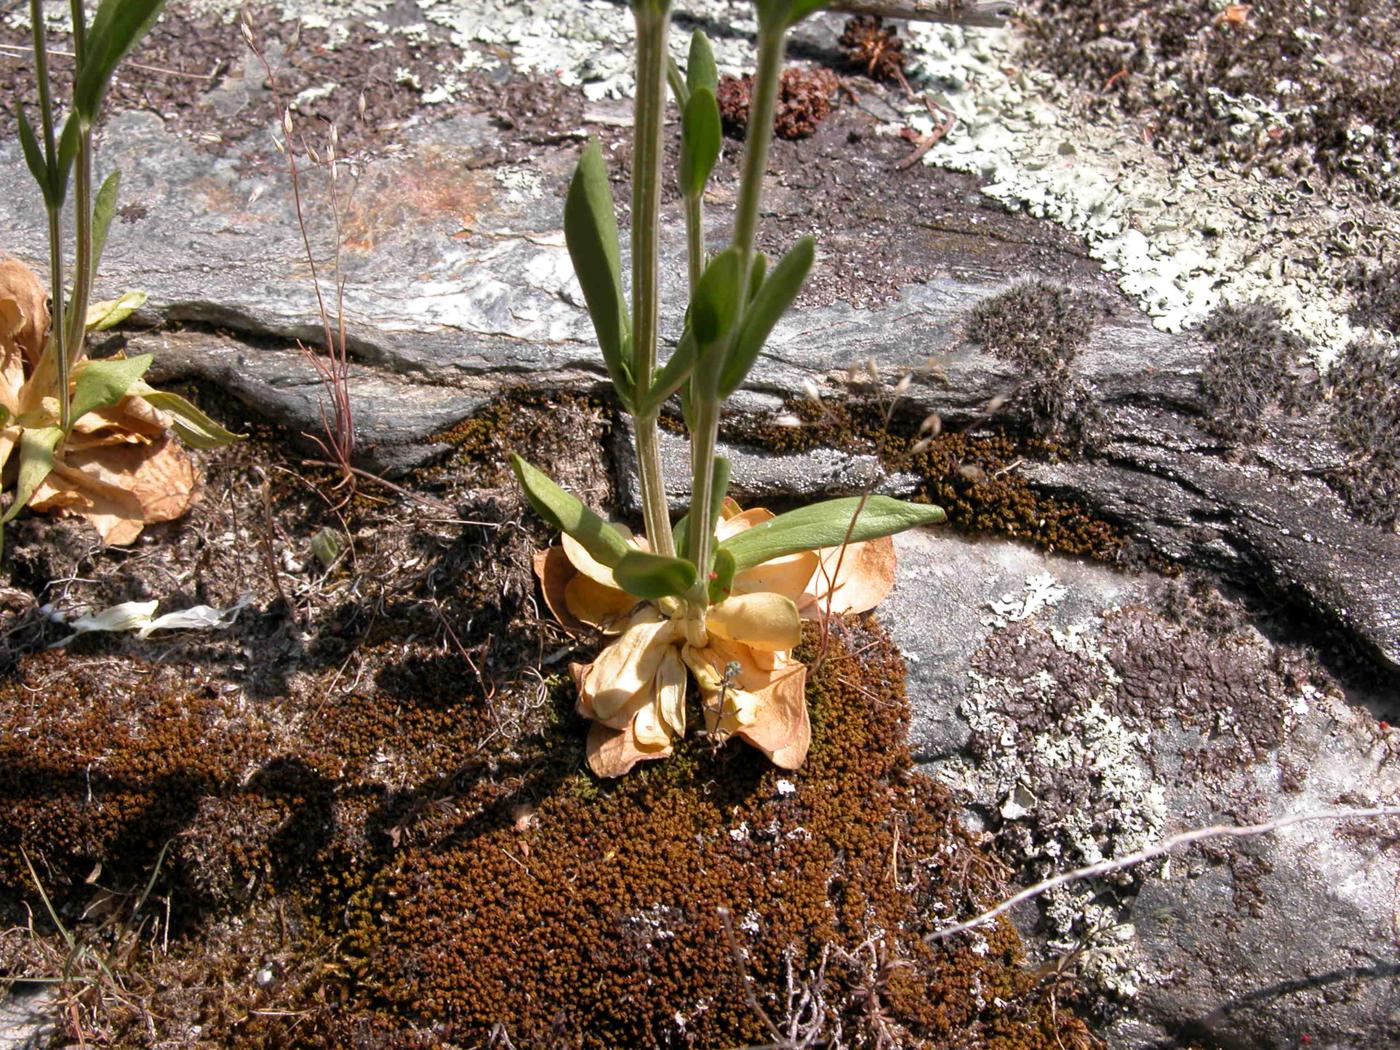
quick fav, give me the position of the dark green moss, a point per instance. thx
(973, 477)
(1377, 292)
(1258, 369)
(1041, 327)
(1365, 401)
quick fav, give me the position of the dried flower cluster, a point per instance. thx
(741, 656)
(804, 101)
(874, 48)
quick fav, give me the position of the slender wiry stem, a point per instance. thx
(705, 436)
(58, 335)
(1185, 838)
(653, 23)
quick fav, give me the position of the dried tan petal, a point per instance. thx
(764, 621)
(737, 523)
(604, 607)
(9, 438)
(647, 729)
(782, 729)
(613, 752)
(670, 692)
(577, 602)
(578, 672)
(855, 581)
(624, 674)
(24, 315)
(590, 566)
(129, 416)
(787, 576)
(120, 489)
(554, 571)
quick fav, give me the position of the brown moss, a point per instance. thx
(108, 767)
(600, 917)
(973, 477)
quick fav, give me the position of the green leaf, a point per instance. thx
(34, 158)
(700, 68)
(112, 312)
(67, 153)
(758, 270)
(36, 447)
(568, 514)
(676, 82)
(784, 14)
(716, 300)
(719, 486)
(779, 289)
(103, 208)
(590, 230)
(115, 30)
(701, 136)
(194, 427)
(104, 383)
(671, 377)
(653, 576)
(722, 576)
(827, 525)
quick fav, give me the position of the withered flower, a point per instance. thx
(118, 466)
(739, 650)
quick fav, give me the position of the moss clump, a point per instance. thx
(1256, 371)
(107, 768)
(1365, 387)
(599, 915)
(1377, 292)
(973, 477)
(1041, 327)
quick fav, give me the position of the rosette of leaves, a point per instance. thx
(720, 596)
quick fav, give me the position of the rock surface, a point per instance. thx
(459, 289)
(465, 290)
(1081, 714)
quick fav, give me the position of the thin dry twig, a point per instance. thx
(1184, 838)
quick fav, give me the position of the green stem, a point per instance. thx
(705, 435)
(694, 239)
(82, 208)
(763, 101)
(82, 262)
(703, 440)
(653, 20)
(57, 334)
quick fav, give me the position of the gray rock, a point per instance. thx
(459, 286)
(1080, 714)
(26, 1018)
